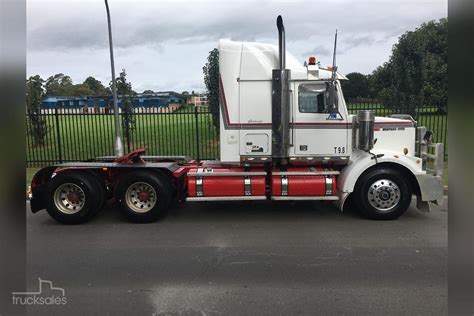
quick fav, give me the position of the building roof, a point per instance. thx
(138, 95)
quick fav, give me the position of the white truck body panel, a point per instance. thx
(246, 109)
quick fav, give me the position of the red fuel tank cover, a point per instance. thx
(295, 184)
(225, 185)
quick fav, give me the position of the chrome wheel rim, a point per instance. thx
(384, 195)
(69, 198)
(140, 197)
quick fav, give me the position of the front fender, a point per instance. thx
(363, 161)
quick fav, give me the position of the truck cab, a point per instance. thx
(316, 132)
(246, 106)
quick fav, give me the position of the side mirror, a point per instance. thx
(332, 97)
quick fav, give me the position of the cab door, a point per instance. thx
(316, 132)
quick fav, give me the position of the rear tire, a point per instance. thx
(102, 189)
(382, 194)
(144, 197)
(73, 197)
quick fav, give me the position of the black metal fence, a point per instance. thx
(73, 135)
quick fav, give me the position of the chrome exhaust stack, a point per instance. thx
(281, 102)
(281, 42)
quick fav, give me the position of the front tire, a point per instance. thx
(144, 197)
(383, 194)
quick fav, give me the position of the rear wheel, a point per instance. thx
(73, 197)
(144, 197)
(383, 194)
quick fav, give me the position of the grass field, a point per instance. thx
(83, 137)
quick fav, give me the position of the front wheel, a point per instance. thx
(383, 194)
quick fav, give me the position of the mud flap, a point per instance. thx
(423, 206)
(38, 187)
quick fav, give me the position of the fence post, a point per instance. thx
(197, 130)
(127, 132)
(58, 136)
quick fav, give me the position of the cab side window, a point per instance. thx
(311, 98)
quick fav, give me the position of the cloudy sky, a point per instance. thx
(164, 44)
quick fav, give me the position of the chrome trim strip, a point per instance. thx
(329, 182)
(284, 185)
(199, 186)
(305, 198)
(199, 191)
(247, 186)
(226, 198)
(318, 158)
(256, 159)
(306, 173)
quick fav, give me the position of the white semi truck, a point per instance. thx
(285, 134)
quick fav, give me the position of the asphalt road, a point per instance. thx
(245, 258)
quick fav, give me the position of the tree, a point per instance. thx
(357, 86)
(96, 86)
(62, 85)
(38, 128)
(380, 82)
(416, 73)
(211, 79)
(58, 85)
(148, 92)
(123, 86)
(126, 93)
(80, 90)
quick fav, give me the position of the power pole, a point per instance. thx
(118, 148)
